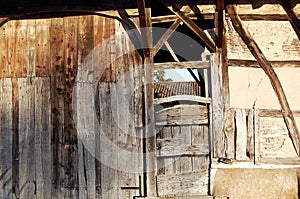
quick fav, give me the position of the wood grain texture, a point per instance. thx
(182, 114)
(43, 138)
(6, 106)
(181, 65)
(185, 183)
(241, 135)
(27, 138)
(42, 65)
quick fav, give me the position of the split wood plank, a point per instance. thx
(181, 65)
(15, 138)
(186, 140)
(200, 137)
(70, 71)
(11, 47)
(4, 52)
(241, 134)
(87, 123)
(209, 43)
(53, 29)
(6, 107)
(27, 142)
(182, 114)
(267, 67)
(185, 183)
(257, 138)
(176, 147)
(42, 65)
(250, 134)
(229, 130)
(21, 49)
(31, 45)
(43, 138)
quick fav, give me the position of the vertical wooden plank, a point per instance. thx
(59, 175)
(86, 74)
(43, 138)
(11, 47)
(21, 62)
(199, 136)
(27, 137)
(241, 134)
(42, 65)
(31, 45)
(229, 131)
(169, 162)
(6, 144)
(250, 135)
(70, 133)
(15, 138)
(217, 105)
(4, 52)
(99, 23)
(186, 138)
(257, 138)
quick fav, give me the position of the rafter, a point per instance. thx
(268, 69)
(167, 34)
(209, 43)
(295, 22)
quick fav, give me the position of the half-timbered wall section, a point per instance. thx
(250, 88)
(68, 88)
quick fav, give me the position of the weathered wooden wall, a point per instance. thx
(43, 154)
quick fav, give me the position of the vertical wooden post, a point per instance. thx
(149, 122)
(257, 138)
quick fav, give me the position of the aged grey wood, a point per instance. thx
(229, 130)
(241, 134)
(192, 98)
(217, 105)
(185, 183)
(43, 138)
(181, 65)
(178, 147)
(6, 138)
(257, 138)
(182, 114)
(27, 137)
(250, 134)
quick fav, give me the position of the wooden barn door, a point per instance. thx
(182, 141)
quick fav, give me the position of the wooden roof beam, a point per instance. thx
(295, 22)
(268, 69)
(209, 43)
(167, 34)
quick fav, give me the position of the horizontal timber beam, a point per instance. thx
(181, 65)
(255, 64)
(267, 67)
